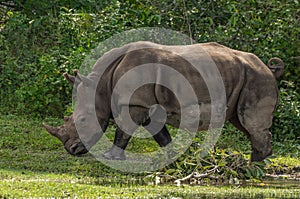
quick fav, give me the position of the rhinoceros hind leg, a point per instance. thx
(256, 155)
(161, 136)
(236, 123)
(256, 117)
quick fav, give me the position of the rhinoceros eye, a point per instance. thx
(82, 119)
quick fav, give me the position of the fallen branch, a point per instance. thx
(196, 175)
(285, 176)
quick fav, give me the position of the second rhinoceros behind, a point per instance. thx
(250, 94)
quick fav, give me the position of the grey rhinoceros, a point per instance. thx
(248, 88)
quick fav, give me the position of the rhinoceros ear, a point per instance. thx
(77, 78)
(52, 130)
(75, 72)
(70, 78)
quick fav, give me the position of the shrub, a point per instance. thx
(286, 125)
(40, 40)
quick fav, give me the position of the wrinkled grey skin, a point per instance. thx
(251, 96)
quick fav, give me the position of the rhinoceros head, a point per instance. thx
(84, 124)
(68, 135)
(82, 130)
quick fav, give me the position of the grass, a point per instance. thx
(35, 164)
(32, 184)
(50, 185)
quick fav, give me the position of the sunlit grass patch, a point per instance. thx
(35, 164)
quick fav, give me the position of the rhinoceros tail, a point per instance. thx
(276, 65)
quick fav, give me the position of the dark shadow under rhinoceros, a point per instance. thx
(250, 91)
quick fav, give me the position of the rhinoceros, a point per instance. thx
(250, 93)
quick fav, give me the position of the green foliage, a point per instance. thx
(38, 45)
(228, 162)
(286, 122)
(220, 166)
(40, 40)
(26, 147)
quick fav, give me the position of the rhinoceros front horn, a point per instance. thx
(51, 129)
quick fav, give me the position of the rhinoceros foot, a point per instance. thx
(115, 153)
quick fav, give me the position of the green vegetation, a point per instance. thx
(33, 163)
(39, 40)
(70, 187)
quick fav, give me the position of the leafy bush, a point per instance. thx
(286, 123)
(218, 167)
(40, 40)
(36, 50)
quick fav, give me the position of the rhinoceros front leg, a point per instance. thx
(117, 151)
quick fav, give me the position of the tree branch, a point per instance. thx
(196, 175)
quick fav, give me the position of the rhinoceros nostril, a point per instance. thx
(73, 149)
(78, 149)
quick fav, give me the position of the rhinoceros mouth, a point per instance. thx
(78, 149)
(81, 147)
